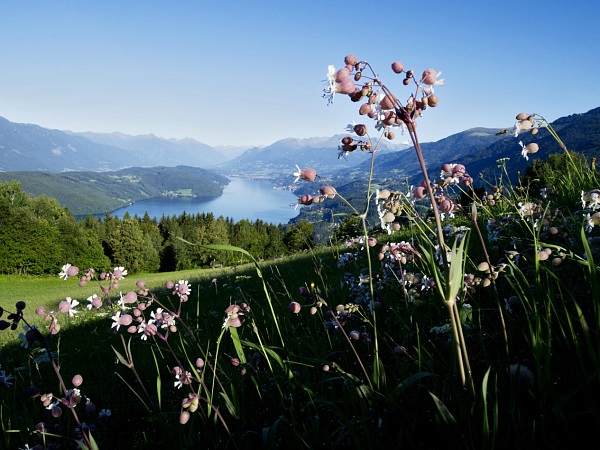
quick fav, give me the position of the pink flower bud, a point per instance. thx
(77, 380)
(419, 192)
(429, 76)
(184, 417)
(328, 191)
(388, 102)
(130, 297)
(350, 60)
(398, 67)
(294, 307)
(342, 74)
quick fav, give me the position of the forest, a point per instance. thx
(37, 235)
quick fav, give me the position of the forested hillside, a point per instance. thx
(100, 192)
(38, 236)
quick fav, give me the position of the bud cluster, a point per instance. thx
(358, 80)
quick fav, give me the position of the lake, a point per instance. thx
(242, 199)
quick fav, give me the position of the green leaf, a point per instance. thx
(446, 415)
(121, 357)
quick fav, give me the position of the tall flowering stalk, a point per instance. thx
(361, 84)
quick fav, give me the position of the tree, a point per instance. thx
(127, 244)
(299, 236)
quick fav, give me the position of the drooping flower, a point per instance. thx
(305, 174)
(591, 221)
(590, 199)
(68, 306)
(431, 77)
(95, 302)
(68, 271)
(344, 86)
(119, 273)
(528, 149)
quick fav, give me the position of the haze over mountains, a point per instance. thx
(27, 147)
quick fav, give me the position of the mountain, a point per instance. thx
(100, 192)
(579, 133)
(278, 160)
(25, 147)
(478, 149)
(452, 149)
(160, 151)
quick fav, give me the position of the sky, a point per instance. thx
(249, 73)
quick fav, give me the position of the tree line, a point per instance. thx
(38, 236)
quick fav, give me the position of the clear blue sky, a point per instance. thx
(251, 72)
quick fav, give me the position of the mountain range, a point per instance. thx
(26, 147)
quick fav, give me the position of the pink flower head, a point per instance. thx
(129, 298)
(67, 306)
(119, 273)
(430, 77)
(294, 307)
(305, 200)
(183, 288)
(68, 271)
(95, 302)
(342, 74)
(419, 192)
(328, 191)
(305, 174)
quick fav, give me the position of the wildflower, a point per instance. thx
(95, 302)
(430, 77)
(328, 191)
(68, 306)
(68, 271)
(591, 199)
(5, 380)
(337, 84)
(119, 320)
(522, 124)
(305, 174)
(528, 149)
(294, 307)
(591, 221)
(119, 273)
(183, 289)
(104, 414)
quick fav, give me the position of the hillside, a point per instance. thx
(99, 192)
(277, 161)
(26, 147)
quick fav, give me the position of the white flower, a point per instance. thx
(330, 90)
(63, 273)
(119, 273)
(72, 304)
(116, 324)
(183, 288)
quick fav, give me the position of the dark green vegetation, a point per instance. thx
(334, 375)
(37, 236)
(100, 192)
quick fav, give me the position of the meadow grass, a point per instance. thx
(475, 327)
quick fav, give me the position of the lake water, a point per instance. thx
(242, 199)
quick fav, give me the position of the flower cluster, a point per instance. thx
(357, 80)
(235, 315)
